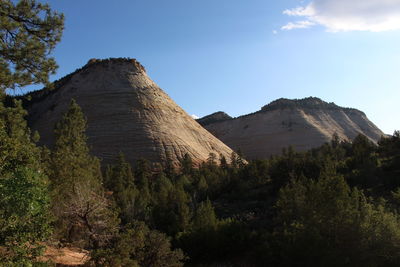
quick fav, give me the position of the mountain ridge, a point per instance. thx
(279, 103)
(307, 102)
(126, 112)
(301, 123)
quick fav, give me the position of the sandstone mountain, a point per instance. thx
(303, 124)
(126, 112)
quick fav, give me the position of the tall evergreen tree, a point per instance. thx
(79, 203)
(143, 175)
(204, 217)
(172, 215)
(71, 160)
(24, 200)
(186, 164)
(28, 32)
(120, 180)
(17, 147)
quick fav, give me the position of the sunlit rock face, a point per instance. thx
(126, 112)
(302, 124)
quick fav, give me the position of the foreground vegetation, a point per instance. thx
(336, 205)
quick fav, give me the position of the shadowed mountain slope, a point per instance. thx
(126, 112)
(303, 124)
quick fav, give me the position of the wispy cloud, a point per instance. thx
(299, 11)
(304, 24)
(195, 117)
(347, 15)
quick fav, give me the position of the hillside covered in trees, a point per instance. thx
(336, 205)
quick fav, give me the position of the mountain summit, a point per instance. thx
(126, 112)
(301, 123)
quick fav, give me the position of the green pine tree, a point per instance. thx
(71, 160)
(144, 201)
(24, 198)
(84, 214)
(120, 180)
(29, 32)
(171, 214)
(17, 147)
(161, 188)
(205, 217)
(186, 164)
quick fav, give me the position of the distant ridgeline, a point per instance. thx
(305, 103)
(281, 103)
(300, 123)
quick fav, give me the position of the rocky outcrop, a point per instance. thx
(126, 112)
(302, 124)
(215, 117)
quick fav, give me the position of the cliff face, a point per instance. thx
(303, 124)
(126, 112)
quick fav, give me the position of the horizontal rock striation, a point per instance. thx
(302, 124)
(126, 112)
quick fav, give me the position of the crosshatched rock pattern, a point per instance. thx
(126, 112)
(302, 124)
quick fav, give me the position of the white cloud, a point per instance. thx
(195, 117)
(275, 32)
(304, 24)
(299, 11)
(347, 15)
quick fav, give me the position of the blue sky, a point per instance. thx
(238, 55)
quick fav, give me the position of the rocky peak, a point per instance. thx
(215, 117)
(126, 112)
(93, 66)
(114, 63)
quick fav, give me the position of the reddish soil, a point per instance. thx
(66, 256)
